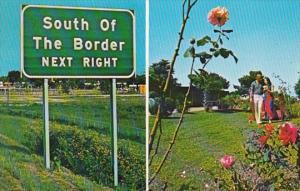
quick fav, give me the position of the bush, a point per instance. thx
(234, 101)
(272, 162)
(294, 109)
(167, 108)
(87, 153)
(274, 153)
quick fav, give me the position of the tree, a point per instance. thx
(158, 75)
(14, 76)
(209, 83)
(245, 82)
(3, 78)
(297, 88)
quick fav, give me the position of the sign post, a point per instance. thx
(46, 125)
(78, 42)
(114, 129)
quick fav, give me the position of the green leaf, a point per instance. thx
(215, 44)
(217, 31)
(227, 31)
(221, 41)
(216, 53)
(204, 55)
(266, 156)
(202, 60)
(212, 49)
(224, 52)
(190, 52)
(203, 41)
(234, 57)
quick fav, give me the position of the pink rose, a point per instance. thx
(218, 16)
(227, 161)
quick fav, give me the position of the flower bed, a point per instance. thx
(272, 161)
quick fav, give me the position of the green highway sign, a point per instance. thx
(76, 42)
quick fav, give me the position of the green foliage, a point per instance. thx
(234, 101)
(215, 48)
(297, 88)
(294, 109)
(167, 107)
(93, 113)
(203, 41)
(158, 74)
(190, 52)
(157, 77)
(245, 82)
(14, 76)
(276, 164)
(87, 153)
(23, 170)
(210, 82)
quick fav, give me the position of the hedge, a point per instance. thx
(88, 153)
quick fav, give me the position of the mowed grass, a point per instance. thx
(87, 112)
(203, 138)
(22, 170)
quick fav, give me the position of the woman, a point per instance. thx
(269, 100)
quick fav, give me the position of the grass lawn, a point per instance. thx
(203, 138)
(88, 112)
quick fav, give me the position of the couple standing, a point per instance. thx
(261, 96)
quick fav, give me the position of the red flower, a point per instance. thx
(227, 161)
(251, 118)
(263, 139)
(269, 129)
(288, 133)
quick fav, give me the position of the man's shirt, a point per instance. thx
(256, 88)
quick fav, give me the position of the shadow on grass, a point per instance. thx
(15, 148)
(230, 111)
(177, 115)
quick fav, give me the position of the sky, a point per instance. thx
(10, 27)
(266, 37)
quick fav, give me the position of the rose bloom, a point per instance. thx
(263, 139)
(269, 128)
(227, 161)
(251, 118)
(218, 16)
(288, 133)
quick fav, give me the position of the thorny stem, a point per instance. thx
(157, 144)
(177, 128)
(158, 113)
(179, 122)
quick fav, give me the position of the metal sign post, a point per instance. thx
(46, 125)
(114, 130)
(98, 43)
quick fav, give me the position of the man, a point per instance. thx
(256, 96)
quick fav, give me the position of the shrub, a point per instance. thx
(87, 153)
(294, 109)
(274, 153)
(167, 108)
(234, 101)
